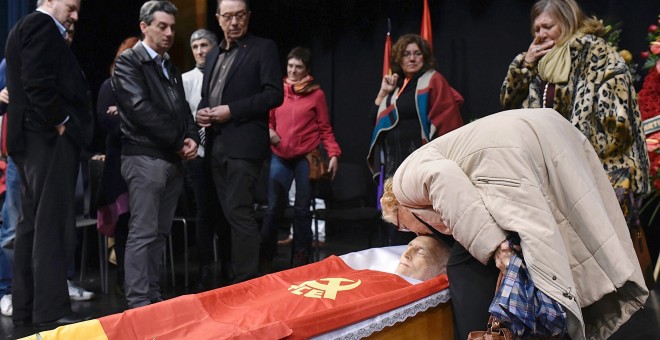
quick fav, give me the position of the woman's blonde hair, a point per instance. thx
(569, 16)
(389, 203)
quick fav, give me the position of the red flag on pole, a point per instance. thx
(388, 48)
(426, 31)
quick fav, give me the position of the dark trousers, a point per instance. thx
(236, 181)
(211, 220)
(472, 290)
(281, 175)
(45, 235)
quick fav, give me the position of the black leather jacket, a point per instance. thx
(155, 118)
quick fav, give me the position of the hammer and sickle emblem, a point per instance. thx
(333, 286)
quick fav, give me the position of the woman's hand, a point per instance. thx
(112, 110)
(4, 96)
(333, 166)
(537, 49)
(274, 137)
(503, 255)
(386, 87)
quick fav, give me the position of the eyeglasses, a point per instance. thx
(240, 16)
(400, 227)
(416, 54)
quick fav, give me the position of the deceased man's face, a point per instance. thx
(424, 259)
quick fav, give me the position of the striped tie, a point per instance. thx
(202, 137)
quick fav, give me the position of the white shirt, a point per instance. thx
(192, 85)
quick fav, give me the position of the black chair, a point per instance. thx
(350, 199)
(261, 198)
(88, 219)
(185, 214)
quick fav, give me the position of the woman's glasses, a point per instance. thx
(399, 226)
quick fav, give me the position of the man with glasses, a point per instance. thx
(241, 84)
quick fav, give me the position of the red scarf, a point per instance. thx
(303, 86)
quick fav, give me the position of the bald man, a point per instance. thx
(425, 258)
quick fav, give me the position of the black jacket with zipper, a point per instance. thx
(155, 118)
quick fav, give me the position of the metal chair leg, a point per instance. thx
(185, 250)
(103, 262)
(83, 255)
(171, 261)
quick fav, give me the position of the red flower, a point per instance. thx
(652, 28)
(655, 47)
(649, 95)
(644, 54)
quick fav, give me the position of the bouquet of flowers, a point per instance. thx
(649, 106)
(612, 36)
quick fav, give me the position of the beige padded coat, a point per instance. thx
(531, 172)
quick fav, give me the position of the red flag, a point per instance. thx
(388, 49)
(386, 55)
(426, 32)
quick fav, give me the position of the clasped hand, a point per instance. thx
(218, 114)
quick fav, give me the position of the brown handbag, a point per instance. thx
(318, 167)
(494, 331)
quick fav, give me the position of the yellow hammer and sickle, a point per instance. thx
(333, 286)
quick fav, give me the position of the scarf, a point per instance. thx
(555, 67)
(303, 86)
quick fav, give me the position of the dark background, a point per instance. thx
(474, 42)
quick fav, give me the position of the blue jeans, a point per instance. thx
(282, 173)
(10, 215)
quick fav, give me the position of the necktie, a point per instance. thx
(161, 63)
(202, 137)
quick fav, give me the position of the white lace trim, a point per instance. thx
(377, 323)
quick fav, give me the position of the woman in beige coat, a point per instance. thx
(532, 173)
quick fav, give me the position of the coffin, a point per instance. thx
(354, 296)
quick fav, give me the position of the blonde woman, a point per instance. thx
(527, 172)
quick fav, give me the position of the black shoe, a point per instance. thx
(265, 266)
(204, 278)
(65, 320)
(227, 272)
(27, 322)
(300, 258)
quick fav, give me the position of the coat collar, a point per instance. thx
(144, 55)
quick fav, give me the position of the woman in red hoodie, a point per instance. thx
(297, 127)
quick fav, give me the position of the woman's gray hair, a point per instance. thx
(150, 7)
(204, 34)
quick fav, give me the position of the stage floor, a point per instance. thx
(644, 324)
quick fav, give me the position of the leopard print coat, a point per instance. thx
(598, 99)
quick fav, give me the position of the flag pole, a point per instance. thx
(387, 70)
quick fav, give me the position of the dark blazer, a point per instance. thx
(155, 117)
(253, 86)
(45, 83)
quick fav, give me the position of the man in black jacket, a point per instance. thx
(158, 133)
(51, 120)
(242, 81)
